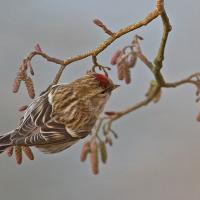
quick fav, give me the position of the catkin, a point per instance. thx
(85, 151)
(28, 152)
(103, 152)
(30, 88)
(18, 154)
(94, 157)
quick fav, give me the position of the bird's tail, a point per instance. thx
(5, 141)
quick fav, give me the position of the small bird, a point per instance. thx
(61, 116)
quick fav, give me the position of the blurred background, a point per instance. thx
(157, 155)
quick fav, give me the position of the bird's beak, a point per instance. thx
(115, 86)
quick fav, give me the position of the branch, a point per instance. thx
(117, 115)
(151, 16)
(193, 79)
(187, 80)
(124, 59)
(47, 57)
(158, 61)
(139, 53)
(114, 36)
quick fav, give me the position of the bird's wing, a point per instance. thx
(37, 127)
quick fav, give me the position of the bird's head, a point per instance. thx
(95, 85)
(105, 83)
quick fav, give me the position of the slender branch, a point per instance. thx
(144, 59)
(155, 67)
(47, 57)
(57, 77)
(101, 67)
(189, 80)
(140, 55)
(151, 16)
(113, 36)
(158, 61)
(124, 60)
(130, 109)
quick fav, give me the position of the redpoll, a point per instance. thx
(62, 116)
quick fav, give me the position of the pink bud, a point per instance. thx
(23, 108)
(109, 113)
(38, 48)
(98, 22)
(109, 141)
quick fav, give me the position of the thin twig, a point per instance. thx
(183, 81)
(158, 61)
(139, 53)
(104, 27)
(47, 57)
(151, 16)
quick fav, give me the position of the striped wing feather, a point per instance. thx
(38, 128)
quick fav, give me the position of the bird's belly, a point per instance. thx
(55, 148)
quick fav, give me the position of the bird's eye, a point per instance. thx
(103, 92)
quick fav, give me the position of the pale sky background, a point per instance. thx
(157, 155)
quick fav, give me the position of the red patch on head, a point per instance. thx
(103, 80)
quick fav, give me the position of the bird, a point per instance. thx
(61, 116)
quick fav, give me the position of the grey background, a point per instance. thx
(158, 153)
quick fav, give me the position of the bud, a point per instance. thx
(151, 91)
(152, 87)
(103, 152)
(94, 157)
(38, 48)
(28, 152)
(85, 151)
(156, 99)
(139, 37)
(18, 154)
(23, 108)
(103, 26)
(108, 140)
(98, 22)
(110, 113)
(114, 133)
